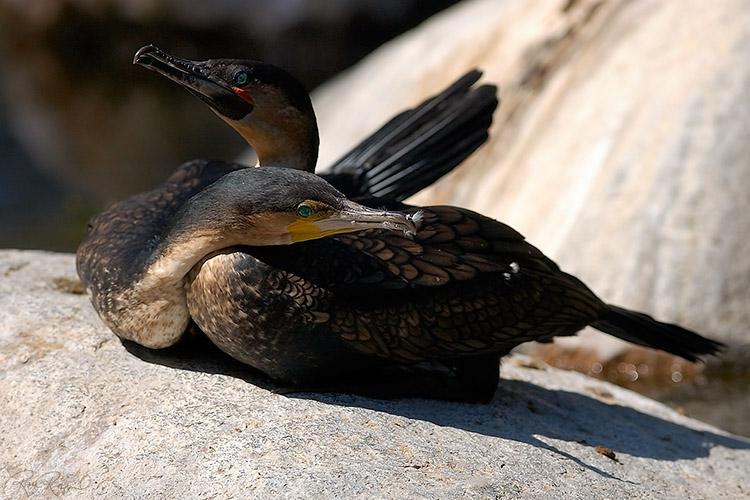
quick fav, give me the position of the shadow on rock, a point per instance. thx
(520, 411)
(196, 353)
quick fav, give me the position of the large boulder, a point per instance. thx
(620, 148)
(86, 416)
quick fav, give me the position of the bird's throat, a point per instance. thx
(287, 144)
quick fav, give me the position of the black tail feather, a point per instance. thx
(418, 146)
(642, 329)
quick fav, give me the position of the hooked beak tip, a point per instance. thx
(363, 217)
(408, 223)
(143, 57)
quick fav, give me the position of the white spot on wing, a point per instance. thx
(513, 268)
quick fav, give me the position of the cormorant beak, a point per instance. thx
(353, 217)
(198, 78)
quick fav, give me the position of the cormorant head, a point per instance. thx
(265, 104)
(276, 206)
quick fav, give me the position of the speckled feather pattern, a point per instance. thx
(463, 285)
(268, 318)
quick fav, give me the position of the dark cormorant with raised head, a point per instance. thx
(462, 292)
(273, 112)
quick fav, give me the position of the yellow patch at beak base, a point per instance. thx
(305, 230)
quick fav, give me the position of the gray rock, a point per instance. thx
(620, 147)
(86, 416)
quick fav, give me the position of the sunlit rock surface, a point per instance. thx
(84, 416)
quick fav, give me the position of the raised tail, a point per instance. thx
(420, 145)
(642, 329)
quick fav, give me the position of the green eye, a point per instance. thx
(304, 211)
(241, 78)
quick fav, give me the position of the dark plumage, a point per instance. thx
(135, 257)
(410, 152)
(464, 291)
(461, 292)
(119, 259)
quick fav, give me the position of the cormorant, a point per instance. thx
(272, 111)
(462, 291)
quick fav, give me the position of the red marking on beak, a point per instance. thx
(244, 95)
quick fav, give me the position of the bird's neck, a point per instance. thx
(290, 143)
(199, 230)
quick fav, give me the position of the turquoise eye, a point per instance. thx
(304, 211)
(241, 78)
